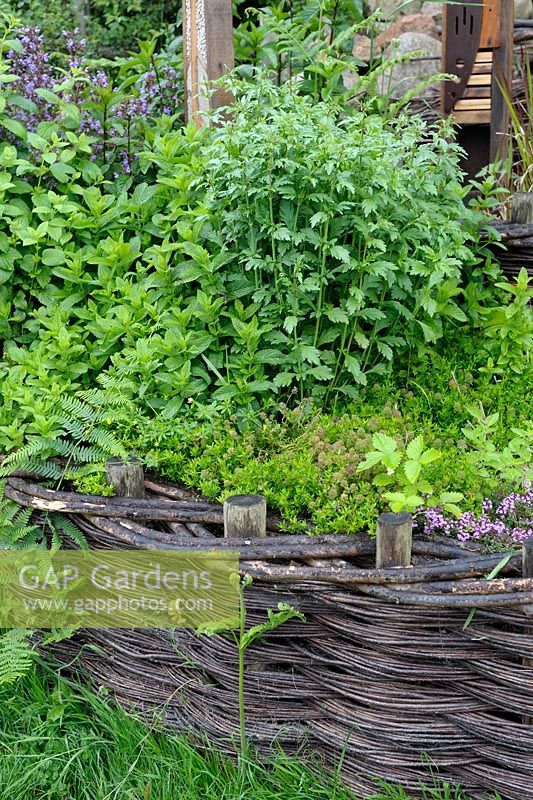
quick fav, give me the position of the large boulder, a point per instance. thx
(433, 10)
(406, 76)
(412, 23)
(362, 47)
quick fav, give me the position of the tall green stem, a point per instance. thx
(242, 715)
(322, 281)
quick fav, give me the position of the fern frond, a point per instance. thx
(15, 526)
(107, 442)
(45, 469)
(118, 388)
(32, 541)
(79, 410)
(59, 635)
(73, 427)
(110, 400)
(16, 655)
(19, 459)
(71, 531)
(80, 454)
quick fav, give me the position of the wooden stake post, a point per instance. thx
(245, 516)
(127, 477)
(207, 55)
(394, 540)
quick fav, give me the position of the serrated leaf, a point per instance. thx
(340, 253)
(317, 218)
(284, 379)
(385, 444)
(415, 448)
(337, 315)
(322, 373)
(353, 365)
(384, 480)
(310, 354)
(371, 459)
(412, 470)
(430, 455)
(290, 323)
(282, 234)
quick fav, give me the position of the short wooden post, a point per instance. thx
(127, 477)
(245, 516)
(207, 55)
(522, 208)
(394, 540)
(527, 572)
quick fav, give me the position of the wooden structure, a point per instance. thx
(478, 48)
(207, 55)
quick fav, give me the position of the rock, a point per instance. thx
(523, 9)
(389, 7)
(348, 79)
(417, 23)
(362, 46)
(406, 76)
(433, 10)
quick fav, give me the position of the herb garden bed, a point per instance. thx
(392, 673)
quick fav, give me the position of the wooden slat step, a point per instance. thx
(476, 92)
(480, 80)
(484, 57)
(473, 105)
(471, 117)
(482, 69)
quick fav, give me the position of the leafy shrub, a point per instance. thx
(346, 251)
(345, 240)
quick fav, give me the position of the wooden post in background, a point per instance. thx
(127, 477)
(207, 55)
(245, 516)
(502, 78)
(522, 208)
(394, 540)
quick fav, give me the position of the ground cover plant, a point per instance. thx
(307, 461)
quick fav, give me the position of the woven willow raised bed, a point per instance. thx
(382, 670)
